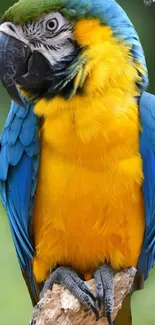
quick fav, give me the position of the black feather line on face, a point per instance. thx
(44, 80)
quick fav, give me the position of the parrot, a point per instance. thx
(77, 153)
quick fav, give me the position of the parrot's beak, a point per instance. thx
(25, 68)
(14, 56)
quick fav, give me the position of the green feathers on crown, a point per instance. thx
(25, 10)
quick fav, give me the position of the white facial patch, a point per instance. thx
(13, 30)
(51, 35)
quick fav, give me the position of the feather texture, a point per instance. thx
(147, 147)
(18, 179)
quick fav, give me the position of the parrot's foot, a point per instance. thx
(105, 290)
(70, 280)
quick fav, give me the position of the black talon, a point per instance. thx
(109, 318)
(95, 311)
(105, 290)
(90, 294)
(97, 315)
(100, 302)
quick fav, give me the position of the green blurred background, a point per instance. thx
(15, 306)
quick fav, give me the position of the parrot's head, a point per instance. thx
(54, 48)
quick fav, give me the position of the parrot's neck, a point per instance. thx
(88, 129)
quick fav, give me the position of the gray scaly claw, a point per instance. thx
(70, 280)
(105, 290)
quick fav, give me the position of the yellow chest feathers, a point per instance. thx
(89, 199)
(89, 189)
(93, 131)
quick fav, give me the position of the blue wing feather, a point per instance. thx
(147, 148)
(19, 161)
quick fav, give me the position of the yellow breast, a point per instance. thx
(89, 205)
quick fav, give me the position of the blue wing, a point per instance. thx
(147, 148)
(19, 160)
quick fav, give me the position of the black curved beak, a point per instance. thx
(14, 56)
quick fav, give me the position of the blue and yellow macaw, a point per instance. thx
(77, 156)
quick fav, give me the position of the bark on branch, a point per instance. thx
(59, 306)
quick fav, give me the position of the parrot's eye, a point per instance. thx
(52, 25)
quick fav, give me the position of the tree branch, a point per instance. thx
(59, 306)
